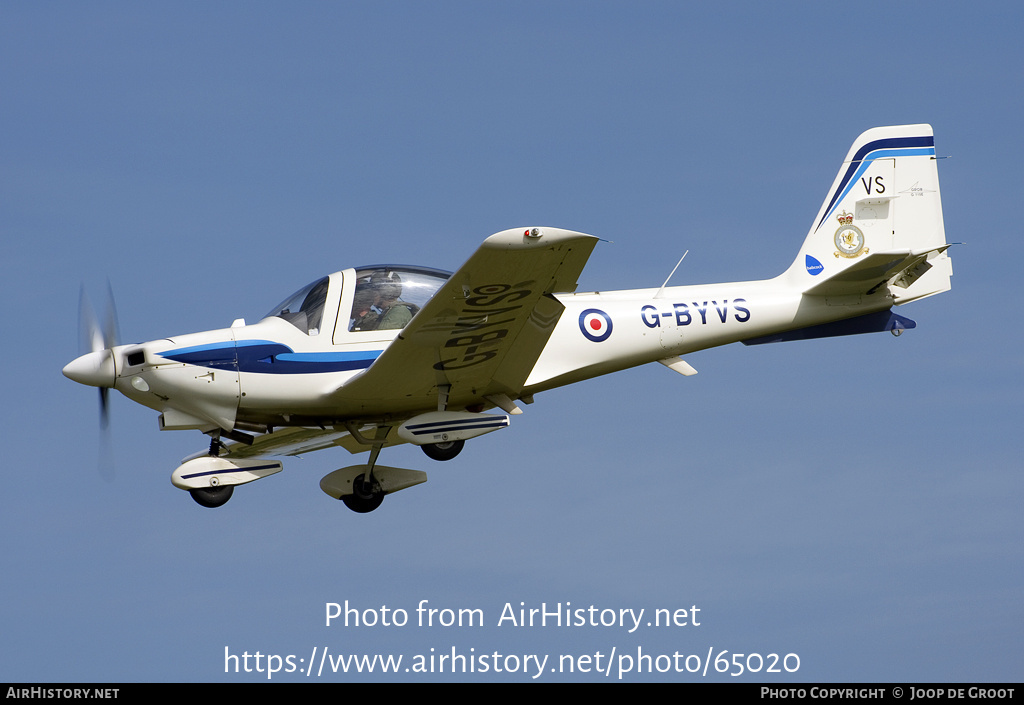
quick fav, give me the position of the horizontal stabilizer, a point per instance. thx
(871, 323)
(875, 270)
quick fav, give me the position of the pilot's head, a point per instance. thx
(387, 284)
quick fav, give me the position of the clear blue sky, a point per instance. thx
(853, 501)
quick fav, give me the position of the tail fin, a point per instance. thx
(881, 222)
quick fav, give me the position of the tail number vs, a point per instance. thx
(684, 314)
(873, 183)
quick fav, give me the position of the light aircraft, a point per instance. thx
(376, 356)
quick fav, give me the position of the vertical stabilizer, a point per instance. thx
(884, 200)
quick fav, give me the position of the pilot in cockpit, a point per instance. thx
(364, 315)
(394, 313)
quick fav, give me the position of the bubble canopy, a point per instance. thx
(385, 297)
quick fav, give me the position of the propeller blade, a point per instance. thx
(105, 457)
(104, 408)
(90, 335)
(111, 333)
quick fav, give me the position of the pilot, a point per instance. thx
(364, 315)
(394, 313)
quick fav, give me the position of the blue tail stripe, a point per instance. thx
(891, 147)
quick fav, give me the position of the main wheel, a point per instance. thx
(443, 451)
(212, 496)
(363, 499)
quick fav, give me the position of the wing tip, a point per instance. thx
(532, 237)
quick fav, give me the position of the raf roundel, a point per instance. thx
(596, 325)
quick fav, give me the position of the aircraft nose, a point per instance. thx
(95, 369)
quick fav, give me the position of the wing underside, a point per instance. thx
(296, 440)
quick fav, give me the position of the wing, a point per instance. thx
(482, 332)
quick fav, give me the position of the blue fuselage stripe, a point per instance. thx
(267, 357)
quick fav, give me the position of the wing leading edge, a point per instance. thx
(482, 332)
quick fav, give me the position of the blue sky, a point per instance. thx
(853, 501)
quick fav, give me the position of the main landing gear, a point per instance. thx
(367, 493)
(362, 487)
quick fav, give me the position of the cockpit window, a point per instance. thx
(388, 296)
(305, 308)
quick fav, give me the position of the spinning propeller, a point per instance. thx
(97, 367)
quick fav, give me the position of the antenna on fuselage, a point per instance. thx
(671, 273)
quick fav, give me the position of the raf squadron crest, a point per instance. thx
(849, 239)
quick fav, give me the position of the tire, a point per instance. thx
(361, 501)
(212, 497)
(443, 451)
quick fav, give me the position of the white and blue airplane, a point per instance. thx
(376, 356)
